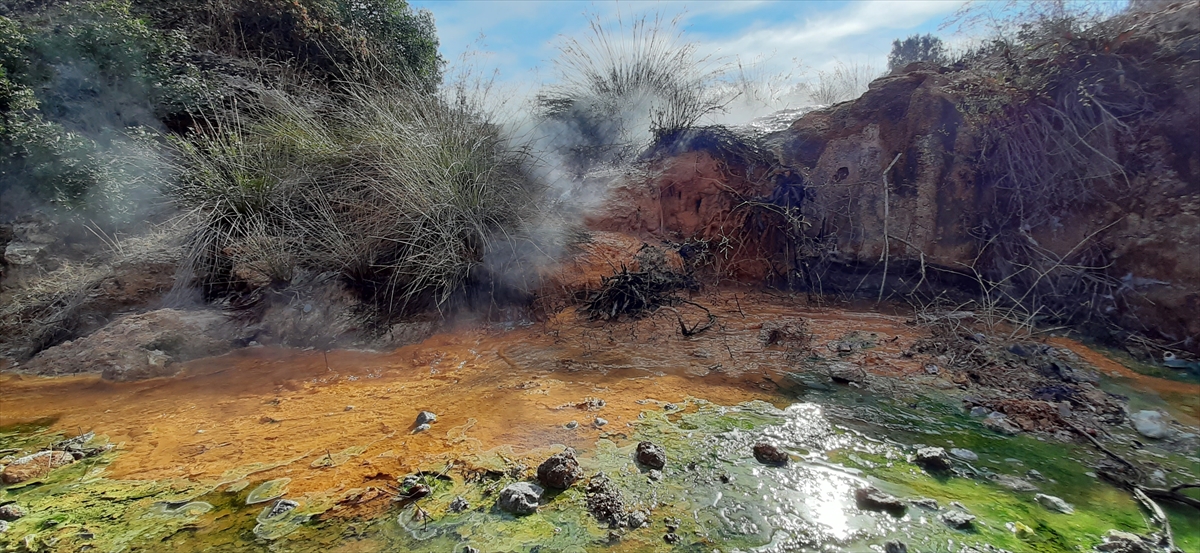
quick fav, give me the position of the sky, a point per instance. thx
(519, 37)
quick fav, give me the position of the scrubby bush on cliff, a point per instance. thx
(916, 48)
(397, 190)
(621, 88)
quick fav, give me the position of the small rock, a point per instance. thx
(520, 498)
(1054, 503)
(1000, 423)
(895, 546)
(425, 417)
(459, 505)
(599, 422)
(872, 499)
(421, 428)
(932, 458)
(672, 524)
(926, 503)
(469, 549)
(3, 526)
(571, 425)
(349, 408)
(604, 501)
(932, 370)
(651, 455)
(1151, 424)
(978, 411)
(1020, 529)
(654, 474)
(636, 519)
(964, 454)
(279, 508)
(34, 466)
(1117, 541)
(671, 537)
(560, 471)
(1035, 475)
(768, 454)
(11, 512)
(958, 519)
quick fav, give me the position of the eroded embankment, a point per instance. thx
(849, 396)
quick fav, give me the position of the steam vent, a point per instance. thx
(710, 277)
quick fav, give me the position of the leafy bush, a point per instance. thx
(391, 187)
(915, 48)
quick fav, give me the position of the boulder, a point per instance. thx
(520, 498)
(957, 519)
(425, 417)
(146, 345)
(560, 471)
(1151, 424)
(11, 512)
(964, 454)
(651, 455)
(1117, 541)
(895, 546)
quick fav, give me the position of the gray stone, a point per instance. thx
(425, 417)
(964, 454)
(571, 425)
(599, 422)
(469, 549)
(1035, 475)
(925, 503)
(520, 498)
(895, 546)
(845, 373)
(459, 505)
(1151, 424)
(421, 428)
(11, 512)
(655, 474)
(1013, 483)
(1000, 423)
(978, 411)
(1054, 503)
(932, 458)
(3, 526)
(958, 519)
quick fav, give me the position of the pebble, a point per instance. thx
(1035, 475)
(872, 499)
(926, 503)
(599, 422)
(349, 407)
(425, 417)
(3, 526)
(671, 537)
(768, 454)
(421, 428)
(655, 475)
(459, 505)
(469, 549)
(520, 498)
(571, 425)
(895, 546)
(978, 411)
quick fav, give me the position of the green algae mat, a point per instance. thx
(712, 495)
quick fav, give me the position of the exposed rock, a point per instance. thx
(636, 519)
(571, 425)
(979, 411)
(421, 428)
(1035, 475)
(895, 546)
(1117, 541)
(425, 417)
(768, 454)
(560, 471)
(135, 347)
(520, 498)
(469, 549)
(932, 459)
(599, 422)
(1054, 503)
(1151, 424)
(654, 475)
(11, 512)
(3, 526)
(1000, 423)
(872, 499)
(604, 501)
(671, 538)
(459, 505)
(845, 373)
(279, 508)
(964, 454)
(958, 519)
(651, 455)
(35, 466)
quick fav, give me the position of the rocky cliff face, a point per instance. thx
(905, 188)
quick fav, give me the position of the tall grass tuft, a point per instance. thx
(396, 189)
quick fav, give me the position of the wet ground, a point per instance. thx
(200, 459)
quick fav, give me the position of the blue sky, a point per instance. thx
(518, 37)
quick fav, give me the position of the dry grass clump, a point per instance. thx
(397, 190)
